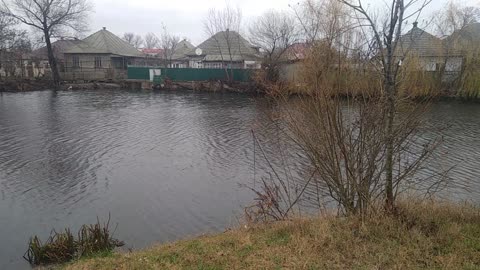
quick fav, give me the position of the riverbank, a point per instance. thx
(426, 236)
(29, 85)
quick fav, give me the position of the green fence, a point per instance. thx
(190, 74)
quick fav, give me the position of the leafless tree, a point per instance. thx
(454, 16)
(273, 32)
(51, 17)
(7, 31)
(151, 41)
(224, 27)
(13, 44)
(169, 45)
(133, 39)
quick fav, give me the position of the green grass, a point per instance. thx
(423, 236)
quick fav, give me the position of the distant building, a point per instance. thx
(152, 52)
(102, 55)
(180, 57)
(430, 51)
(465, 41)
(226, 49)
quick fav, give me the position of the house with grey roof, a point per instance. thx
(180, 55)
(226, 49)
(423, 45)
(465, 41)
(430, 51)
(102, 55)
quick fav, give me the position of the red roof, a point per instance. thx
(152, 51)
(297, 51)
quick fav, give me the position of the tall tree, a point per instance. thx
(51, 17)
(274, 32)
(224, 26)
(169, 45)
(133, 39)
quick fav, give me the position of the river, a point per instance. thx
(165, 165)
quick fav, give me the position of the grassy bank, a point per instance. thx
(439, 236)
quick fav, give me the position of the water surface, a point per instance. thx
(165, 165)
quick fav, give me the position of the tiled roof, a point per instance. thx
(217, 47)
(104, 42)
(465, 39)
(182, 49)
(421, 43)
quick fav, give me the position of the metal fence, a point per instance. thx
(190, 74)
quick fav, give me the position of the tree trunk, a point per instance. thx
(390, 88)
(52, 61)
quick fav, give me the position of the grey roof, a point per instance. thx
(465, 39)
(217, 47)
(182, 49)
(59, 48)
(421, 43)
(104, 42)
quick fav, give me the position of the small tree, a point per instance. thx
(386, 36)
(51, 17)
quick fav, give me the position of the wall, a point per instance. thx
(87, 61)
(290, 72)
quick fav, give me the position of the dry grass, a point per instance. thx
(426, 235)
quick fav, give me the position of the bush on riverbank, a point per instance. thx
(424, 235)
(63, 247)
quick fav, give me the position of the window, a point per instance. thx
(98, 62)
(76, 61)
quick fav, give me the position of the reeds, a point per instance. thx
(63, 247)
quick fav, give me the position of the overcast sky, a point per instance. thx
(184, 17)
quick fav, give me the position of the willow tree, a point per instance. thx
(51, 17)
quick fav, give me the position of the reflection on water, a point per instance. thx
(165, 165)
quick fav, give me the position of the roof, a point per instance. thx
(152, 51)
(217, 47)
(59, 48)
(419, 42)
(297, 51)
(104, 42)
(466, 38)
(182, 49)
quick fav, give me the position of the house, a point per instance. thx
(291, 66)
(465, 41)
(152, 52)
(429, 50)
(39, 56)
(180, 56)
(100, 56)
(225, 49)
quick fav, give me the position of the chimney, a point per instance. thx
(104, 28)
(415, 24)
